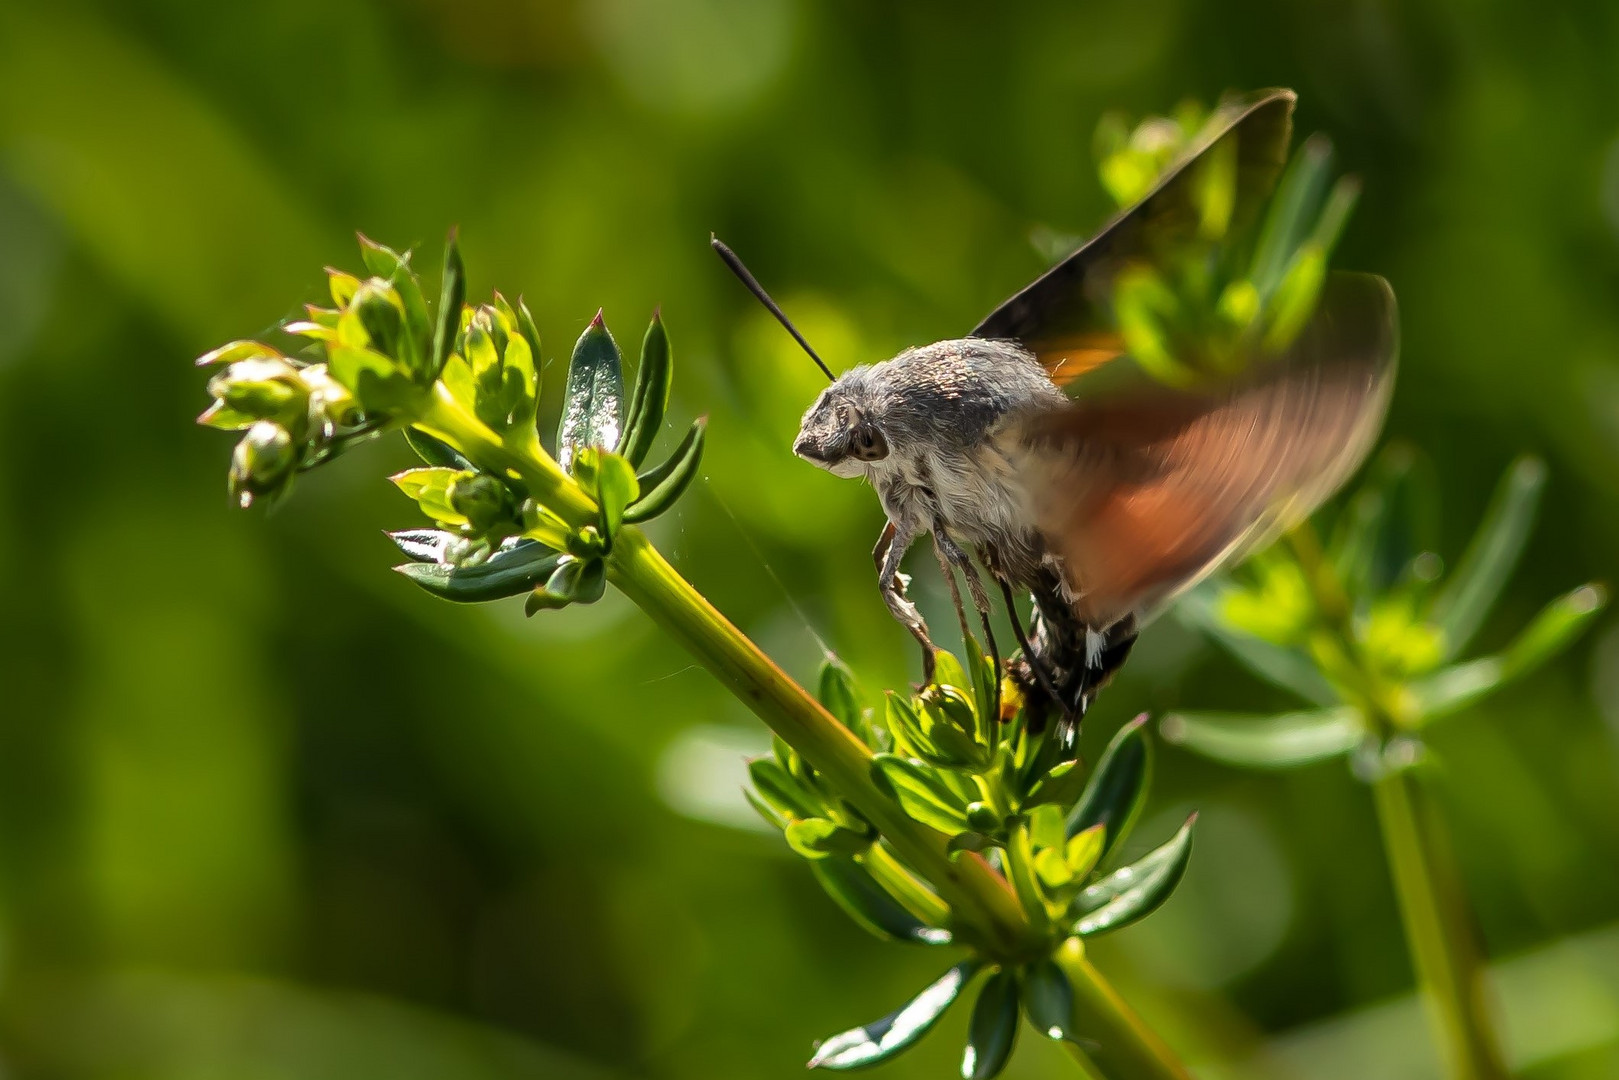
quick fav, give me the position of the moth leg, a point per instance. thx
(1034, 660)
(946, 568)
(884, 541)
(948, 549)
(891, 547)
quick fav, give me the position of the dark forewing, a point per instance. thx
(1142, 495)
(1063, 316)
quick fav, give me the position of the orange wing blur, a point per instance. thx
(1142, 495)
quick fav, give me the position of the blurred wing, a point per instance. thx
(1063, 316)
(1143, 495)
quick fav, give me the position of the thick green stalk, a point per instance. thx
(1127, 1046)
(443, 417)
(905, 887)
(1434, 908)
(979, 896)
(985, 910)
(1439, 927)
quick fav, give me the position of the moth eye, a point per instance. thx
(869, 444)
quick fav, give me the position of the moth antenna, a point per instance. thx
(730, 259)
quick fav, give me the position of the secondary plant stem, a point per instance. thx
(1434, 909)
(980, 897)
(1438, 927)
(1128, 1047)
(984, 909)
(905, 887)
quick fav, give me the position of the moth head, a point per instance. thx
(839, 433)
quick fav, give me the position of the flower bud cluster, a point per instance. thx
(294, 414)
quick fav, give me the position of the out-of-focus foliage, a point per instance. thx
(1369, 629)
(263, 805)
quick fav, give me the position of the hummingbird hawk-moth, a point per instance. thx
(1034, 449)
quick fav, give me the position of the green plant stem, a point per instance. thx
(980, 898)
(985, 912)
(1434, 909)
(976, 893)
(1128, 1047)
(905, 887)
(442, 416)
(1439, 926)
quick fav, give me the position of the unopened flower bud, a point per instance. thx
(483, 500)
(382, 314)
(264, 388)
(483, 350)
(263, 463)
(329, 399)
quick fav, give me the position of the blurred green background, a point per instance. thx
(267, 811)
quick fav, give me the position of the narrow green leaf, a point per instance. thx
(435, 451)
(663, 485)
(650, 398)
(452, 295)
(1267, 741)
(423, 545)
(836, 691)
(1452, 689)
(341, 285)
(232, 351)
(885, 1038)
(904, 725)
(530, 332)
(522, 384)
(430, 488)
(611, 482)
(1047, 826)
(512, 572)
(920, 793)
(593, 407)
(1060, 787)
(984, 679)
(953, 705)
(1117, 788)
(592, 581)
(574, 581)
(381, 315)
(992, 1031)
(947, 743)
(417, 344)
(1392, 518)
(777, 787)
(869, 904)
(1048, 999)
(1549, 632)
(1084, 850)
(380, 259)
(1471, 590)
(1291, 212)
(816, 838)
(764, 809)
(947, 671)
(220, 416)
(1285, 668)
(1135, 891)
